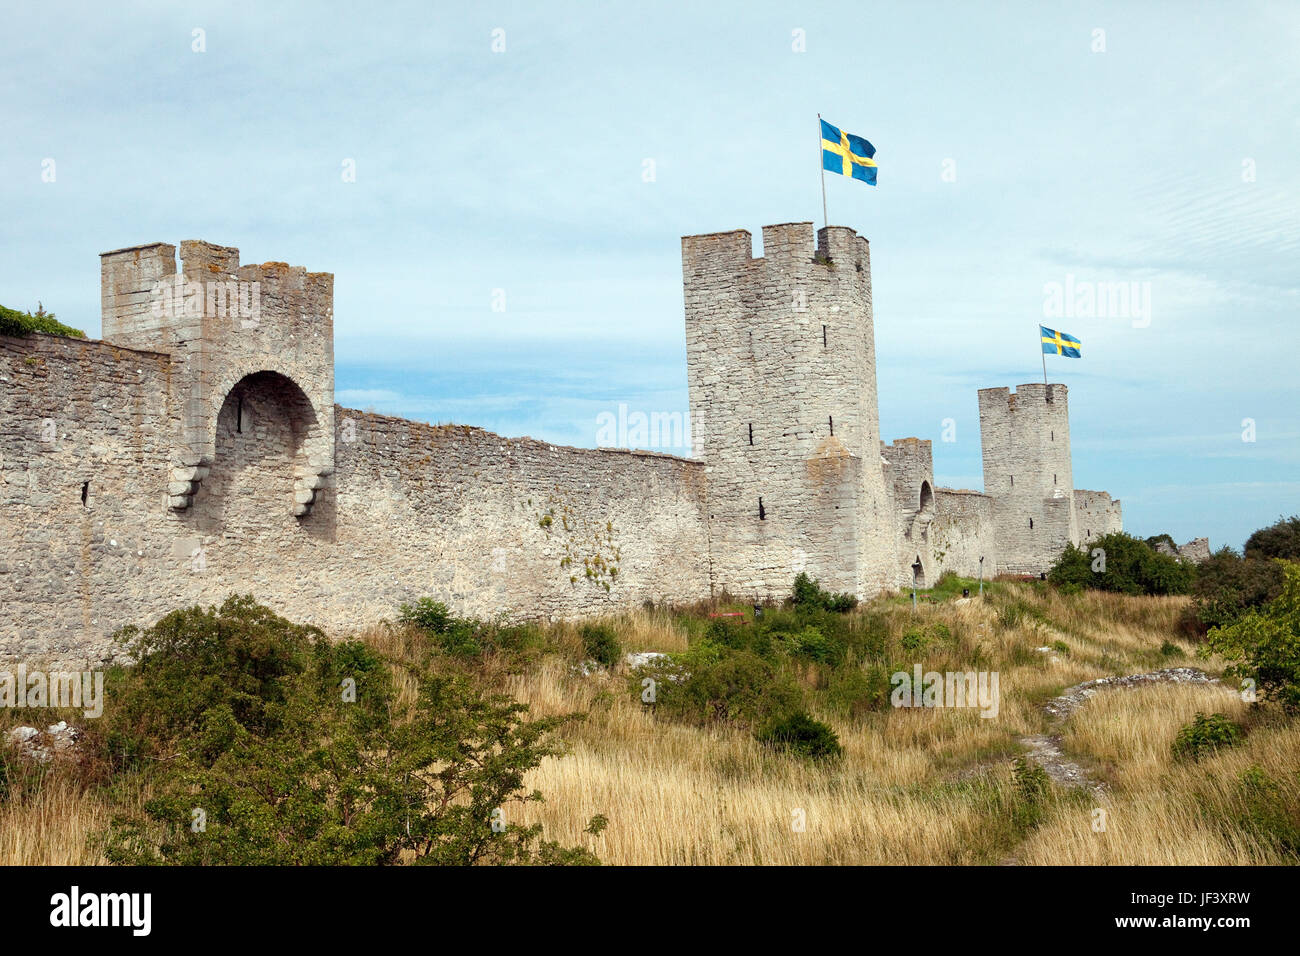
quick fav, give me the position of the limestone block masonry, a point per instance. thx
(197, 451)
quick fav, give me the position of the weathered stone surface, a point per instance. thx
(1195, 551)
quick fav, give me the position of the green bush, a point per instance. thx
(13, 322)
(601, 645)
(1264, 643)
(857, 691)
(812, 644)
(808, 593)
(287, 745)
(712, 683)
(1032, 787)
(458, 636)
(1227, 585)
(914, 640)
(1131, 567)
(428, 614)
(800, 734)
(1031, 780)
(1204, 735)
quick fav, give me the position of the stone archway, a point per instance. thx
(263, 471)
(927, 499)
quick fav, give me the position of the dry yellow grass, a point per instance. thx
(931, 786)
(1163, 812)
(58, 824)
(920, 786)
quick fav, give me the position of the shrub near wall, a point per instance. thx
(1127, 565)
(265, 743)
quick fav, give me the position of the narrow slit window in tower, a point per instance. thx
(762, 512)
(831, 419)
(1031, 522)
(751, 433)
(823, 336)
(85, 492)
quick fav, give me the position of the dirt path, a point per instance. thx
(1045, 749)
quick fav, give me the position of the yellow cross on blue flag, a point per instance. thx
(1058, 343)
(847, 154)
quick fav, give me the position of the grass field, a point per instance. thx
(927, 785)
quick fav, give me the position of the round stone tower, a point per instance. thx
(782, 373)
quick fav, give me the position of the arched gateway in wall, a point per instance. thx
(261, 470)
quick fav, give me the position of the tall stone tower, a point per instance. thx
(782, 372)
(1025, 437)
(252, 378)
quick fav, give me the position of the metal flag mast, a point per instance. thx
(1040, 349)
(822, 166)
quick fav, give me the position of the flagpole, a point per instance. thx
(1040, 349)
(822, 166)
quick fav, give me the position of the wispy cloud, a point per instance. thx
(518, 173)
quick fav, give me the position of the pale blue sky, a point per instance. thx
(522, 171)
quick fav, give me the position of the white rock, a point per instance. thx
(20, 735)
(642, 658)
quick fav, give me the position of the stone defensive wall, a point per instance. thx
(964, 530)
(1097, 514)
(91, 538)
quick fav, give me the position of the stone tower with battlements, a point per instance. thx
(1025, 437)
(782, 374)
(252, 351)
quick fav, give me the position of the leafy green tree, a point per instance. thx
(1264, 643)
(1279, 540)
(1227, 585)
(1125, 564)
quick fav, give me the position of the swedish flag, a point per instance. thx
(1058, 343)
(847, 154)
